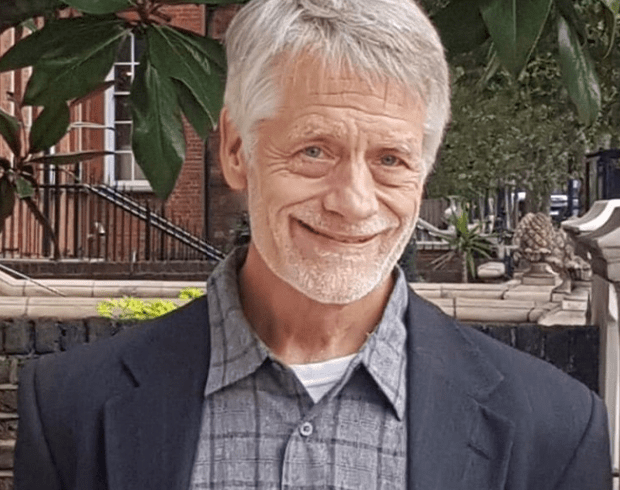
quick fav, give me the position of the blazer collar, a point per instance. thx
(454, 439)
(151, 432)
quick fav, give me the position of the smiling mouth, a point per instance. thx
(338, 237)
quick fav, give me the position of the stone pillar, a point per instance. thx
(597, 235)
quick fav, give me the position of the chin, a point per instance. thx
(335, 280)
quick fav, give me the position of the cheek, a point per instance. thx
(403, 202)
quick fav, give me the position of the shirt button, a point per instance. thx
(306, 429)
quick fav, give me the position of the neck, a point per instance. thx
(299, 330)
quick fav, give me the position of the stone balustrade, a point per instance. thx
(597, 235)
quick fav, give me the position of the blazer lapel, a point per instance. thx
(151, 431)
(454, 439)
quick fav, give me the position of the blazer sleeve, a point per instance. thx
(33, 467)
(590, 466)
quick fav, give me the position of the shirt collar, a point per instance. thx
(384, 355)
(237, 352)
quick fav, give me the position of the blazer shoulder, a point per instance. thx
(91, 368)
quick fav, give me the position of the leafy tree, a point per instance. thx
(514, 28)
(523, 132)
(179, 73)
(182, 73)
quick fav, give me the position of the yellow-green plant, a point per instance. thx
(130, 308)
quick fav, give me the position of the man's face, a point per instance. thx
(335, 181)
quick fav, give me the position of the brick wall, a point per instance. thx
(572, 349)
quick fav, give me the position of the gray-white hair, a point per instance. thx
(384, 39)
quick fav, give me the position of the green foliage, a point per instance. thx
(515, 26)
(468, 242)
(515, 29)
(179, 73)
(9, 129)
(191, 293)
(578, 74)
(522, 133)
(130, 308)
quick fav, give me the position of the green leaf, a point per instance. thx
(13, 12)
(49, 127)
(59, 39)
(211, 48)
(7, 199)
(612, 5)
(9, 129)
(515, 26)
(610, 28)
(157, 140)
(197, 117)
(99, 6)
(78, 67)
(461, 26)
(578, 74)
(23, 188)
(70, 158)
(175, 55)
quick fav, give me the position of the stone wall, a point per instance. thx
(572, 349)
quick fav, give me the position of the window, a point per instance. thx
(121, 168)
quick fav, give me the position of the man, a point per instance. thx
(311, 364)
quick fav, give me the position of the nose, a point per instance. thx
(353, 192)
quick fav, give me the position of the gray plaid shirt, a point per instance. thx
(261, 429)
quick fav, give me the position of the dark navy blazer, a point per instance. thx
(125, 413)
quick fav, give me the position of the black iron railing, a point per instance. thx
(99, 222)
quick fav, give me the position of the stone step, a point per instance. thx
(7, 451)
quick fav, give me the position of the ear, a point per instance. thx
(231, 153)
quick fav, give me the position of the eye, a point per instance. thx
(389, 160)
(312, 152)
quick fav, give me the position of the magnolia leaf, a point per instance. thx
(173, 55)
(9, 129)
(461, 26)
(157, 140)
(70, 158)
(211, 48)
(197, 117)
(578, 74)
(7, 199)
(99, 6)
(96, 91)
(62, 39)
(13, 12)
(567, 10)
(45, 222)
(23, 188)
(515, 26)
(610, 27)
(49, 127)
(79, 68)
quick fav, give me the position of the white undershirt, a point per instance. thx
(319, 377)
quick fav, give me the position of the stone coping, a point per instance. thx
(91, 288)
(506, 302)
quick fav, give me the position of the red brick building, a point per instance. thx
(200, 204)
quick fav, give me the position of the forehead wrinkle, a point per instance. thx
(317, 125)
